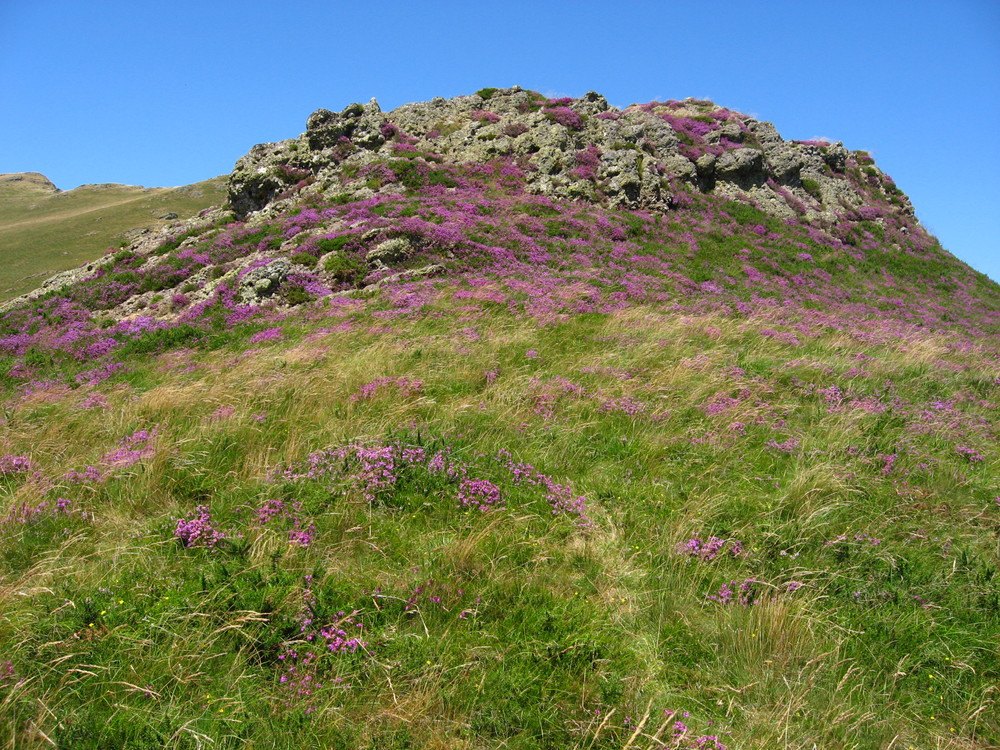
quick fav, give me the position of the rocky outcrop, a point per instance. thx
(643, 156)
(580, 148)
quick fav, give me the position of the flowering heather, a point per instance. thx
(12, 464)
(222, 414)
(710, 548)
(198, 530)
(564, 116)
(627, 405)
(479, 494)
(7, 672)
(484, 115)
(403, 385)
(970, 454)
(302, 667)
(300, 532)
(100, 373)
(268, 334)
(26, 514)
(133, 449)
(787, 447)
(89, 475)
(736, 592)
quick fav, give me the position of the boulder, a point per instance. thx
(391, 251)
(360, 124)
(263, 281)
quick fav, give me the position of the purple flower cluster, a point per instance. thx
(479, 494)
(99, 374)
(404, 386)
(787, 447)
(26, 514)
(11, 464)
(133, 449)
(89, 475)
(8, 675)
(738, 592)
(198, 531)
(484, 115)
(564, 116)
(304, 663)
(709, 549)
(971, 454)
(268, 334)
(376, 470)
(299, 532)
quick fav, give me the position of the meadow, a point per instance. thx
(601, 478)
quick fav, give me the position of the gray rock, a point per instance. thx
(258, 177)
(835, 156)
(361, 124)
(705, 164)
(259, 283)
(411, 275)
(742, 166)
(765, 133)
(391, 251)
(785, 162)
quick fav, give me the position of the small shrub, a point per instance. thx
(515, 129)
(305, 259)
(345, 269)
(565, 116)
(296, 294)
(487, 92)
(811, 186)
(443, 127)
(484, 115)
(333, 244)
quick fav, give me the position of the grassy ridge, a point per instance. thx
(43, 232)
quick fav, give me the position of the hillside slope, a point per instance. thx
(503, 421)
(44, 230)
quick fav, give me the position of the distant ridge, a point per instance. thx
(45, 230)
(28, 181)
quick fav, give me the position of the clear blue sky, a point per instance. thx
(157, 93)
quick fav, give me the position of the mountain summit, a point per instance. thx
(508, 421)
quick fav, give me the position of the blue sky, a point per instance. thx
(156, 93)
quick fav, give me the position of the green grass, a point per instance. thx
(514, 627)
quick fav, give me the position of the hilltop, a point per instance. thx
(44, 230)
(508, 421)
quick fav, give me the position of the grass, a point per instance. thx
(42, 233)
(514, 627)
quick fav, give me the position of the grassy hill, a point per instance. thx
(406, 450)
(44, 231)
